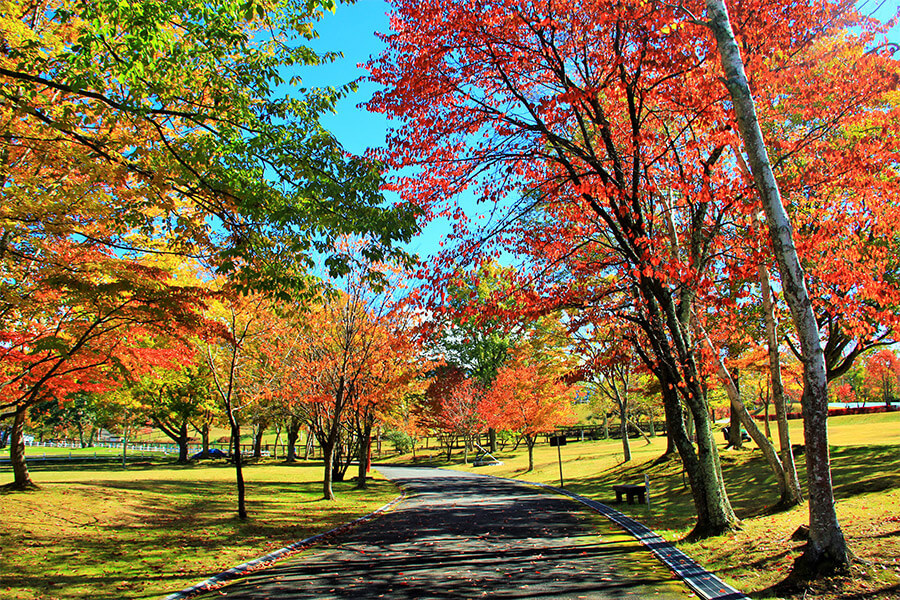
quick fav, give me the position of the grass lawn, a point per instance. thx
(866, 471)
(104, 532)
(53, 452)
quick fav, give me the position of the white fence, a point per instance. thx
(132, 447)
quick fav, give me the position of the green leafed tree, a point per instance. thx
(129, 123)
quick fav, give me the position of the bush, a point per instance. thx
(403, 442)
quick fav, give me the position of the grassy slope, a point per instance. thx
(866, 470)
(149, 531)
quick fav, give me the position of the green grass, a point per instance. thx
(866, 472)
(100, 531)
(53, 452)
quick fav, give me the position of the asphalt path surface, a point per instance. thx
(467, 536)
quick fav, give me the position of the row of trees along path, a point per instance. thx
(613, 153)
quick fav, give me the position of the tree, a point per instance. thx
(609, 365)
(173, 398)
(608, 133)
(243, 320)
(452, 408)
(826, 550)
(883, 375)
(528, 397)
(395, 372)
(347, 335)
(163, 119)
(78, 411)
(599, 130)
(85, 328)
(467, 335)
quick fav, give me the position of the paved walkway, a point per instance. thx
(463, 536)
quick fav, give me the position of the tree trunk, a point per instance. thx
(182, 442)
(364, 454)
(745, 419)
(125, 447)
(277, 439)
(530, 441)
(179, 436)
(793, 495)
(309, 445)
(720, 516)
(336, 453)
(492, 440)
(826, 552)
(238, 465)
(714, 513)
(328, 456)
(735, 439)
(378, 442)
(257, 439)
(623, 430)
(204, 436)
(21, 477)
(293, 434)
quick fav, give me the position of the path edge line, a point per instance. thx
(705, 584)
(266, 560)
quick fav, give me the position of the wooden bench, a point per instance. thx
(632, 492)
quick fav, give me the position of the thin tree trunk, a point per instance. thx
(530, 441)
(826, 552)
(745, 419)
(623, 431)
(328, 456)
(125, 447)
(238, 465)
(793, 495)
(309, 444)
(277, 439)
(637, 427)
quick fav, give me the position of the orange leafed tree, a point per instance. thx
(528, 397)
(85, 321)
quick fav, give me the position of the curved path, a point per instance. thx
(466, 536)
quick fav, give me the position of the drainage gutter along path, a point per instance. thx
(460, 535)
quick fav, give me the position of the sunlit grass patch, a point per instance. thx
(866, 472)
(145, 532)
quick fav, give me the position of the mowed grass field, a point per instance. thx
(866, 471)
(144, 532)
